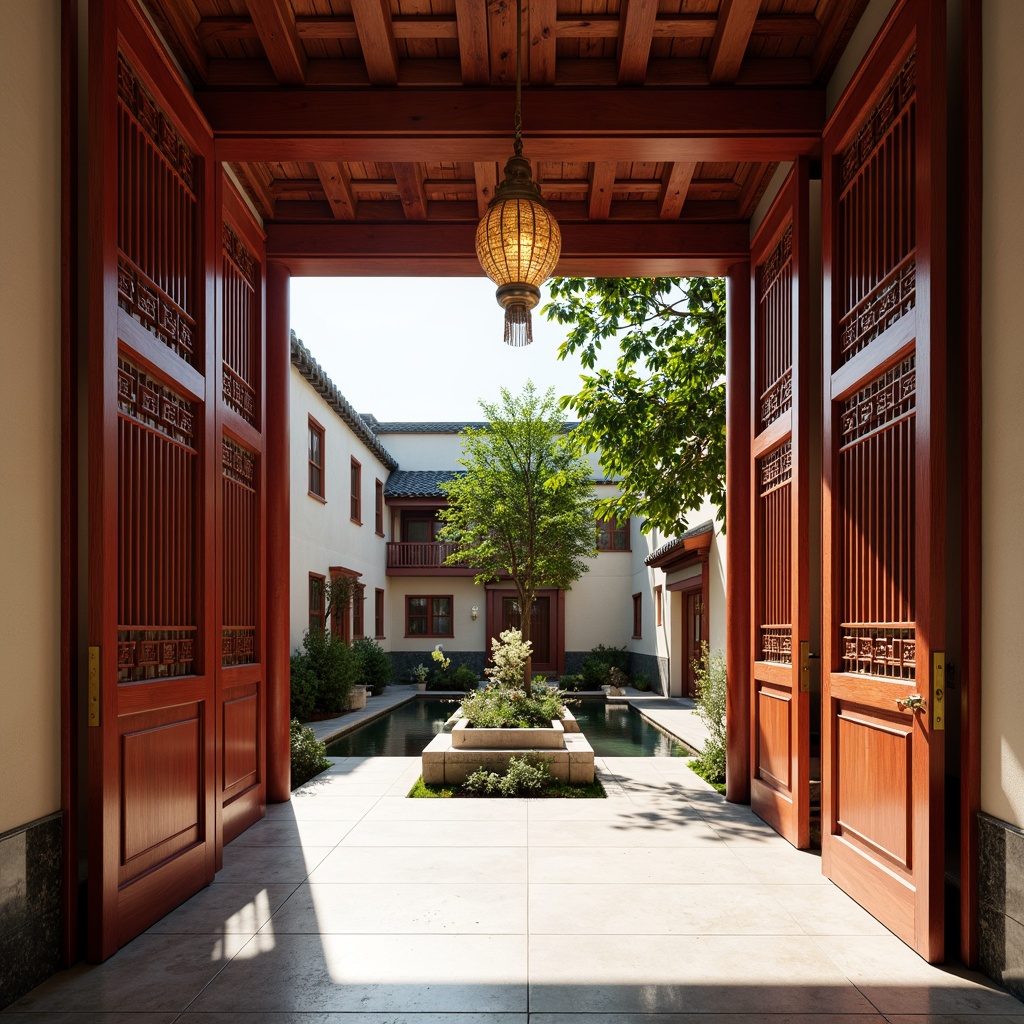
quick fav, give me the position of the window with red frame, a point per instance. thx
(612, 535)
(378, 614)
(316, 602)
(428, 616)
(638, 611)
(378, 508)
(357, 487)
(316, 458)
(358, 597)
(657, 606)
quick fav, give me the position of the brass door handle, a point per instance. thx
(915, 702)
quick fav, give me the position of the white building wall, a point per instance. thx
(322, 532)
(414, 450)
(470, 634)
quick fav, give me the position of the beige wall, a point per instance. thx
(30, 410)
(1002, 725)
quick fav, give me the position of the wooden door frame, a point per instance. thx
(698, 585)
(495, 594)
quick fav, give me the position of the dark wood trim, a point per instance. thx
(318, 427)
(430, 616)
(69, 329)
(638, 615)
(278, 482)
(356, 492)
(971, 462)
(737, 489)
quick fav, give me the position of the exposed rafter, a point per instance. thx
(336, 183)
(409, 180)
(602, 182)
(635, 34)
(471, 17)
(274, 21)
(377, 40)
(732, 34)
(675, 184)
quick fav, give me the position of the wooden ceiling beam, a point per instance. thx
(409, 180)
(675, 183)
(501, 39)
(636, 31)
(832, 31)
(472, 125)
(602, 183)
(184, 22)
(735, 25)
(373, 23)
(611, 248)
(486, 176)
(274, 21)
(541, 49)
(471, 18)
(251, 181)
(336, 183)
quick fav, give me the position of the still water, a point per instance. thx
(613, 730)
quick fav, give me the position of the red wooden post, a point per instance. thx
(737, 520)
(278, 529)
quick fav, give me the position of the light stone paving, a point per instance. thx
(660, 905)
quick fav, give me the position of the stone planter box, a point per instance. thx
(466, 737)
(357, 698)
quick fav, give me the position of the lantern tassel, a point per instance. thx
(518, 325)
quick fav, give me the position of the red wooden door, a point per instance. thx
(781, 368)
(241, 693)
(883, 496)
(540, 629)
(693, 635)
(152, 451)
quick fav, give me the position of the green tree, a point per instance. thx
(658, 420)
(524, 508)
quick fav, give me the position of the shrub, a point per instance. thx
(373, 665)
(464, 678)
(308, 754)
(504, 707)
(642, 682)
(522, 778)
(304, 688)
(614, 657)
(419, 673)
(709, 704)
(572, 682)
(616, 677)
(594, 672)
(509, 653)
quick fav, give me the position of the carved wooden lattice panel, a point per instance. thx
(774, 545)
(875, 224)
(156, 219)
(877, 481)
(774, 332)
(240, 563)
(240, 366)
(156, 529)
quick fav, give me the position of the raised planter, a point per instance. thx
(466, 737)
(357, 698)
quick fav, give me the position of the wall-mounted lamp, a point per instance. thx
(474, 613)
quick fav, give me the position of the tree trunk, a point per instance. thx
(525, 628)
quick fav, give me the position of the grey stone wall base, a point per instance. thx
(30, 906)
(403, 662)
(652, 666)
(1001, 902)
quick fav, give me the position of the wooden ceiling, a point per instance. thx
(370, 134)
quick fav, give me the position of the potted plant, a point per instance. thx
(420, 675)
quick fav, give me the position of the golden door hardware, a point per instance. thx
(938, 689)
(805, 667)
(915, 702)
(94, 686)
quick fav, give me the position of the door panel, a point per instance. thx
(780, 379)
(883, 761)
(151, 588)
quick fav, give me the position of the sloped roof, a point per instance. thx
(420, 426)
(679, 544)
(304, 362)
(418, 483)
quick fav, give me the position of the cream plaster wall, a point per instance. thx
(424, 450)
(323, 534)
(30, 289)
(465, 594)
(1002, 724)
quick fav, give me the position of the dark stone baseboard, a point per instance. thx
(652, 666)
(1001, 902)
(30, 906)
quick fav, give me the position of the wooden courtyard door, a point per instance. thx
(693, 635)
(176, 708)
(547, 625)
(780, 380)
(884, 507)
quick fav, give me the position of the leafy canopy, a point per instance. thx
(658, 419)
(524, 508)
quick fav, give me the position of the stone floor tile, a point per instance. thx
(350, 1018)
(379, 973)
(421, 834)
(612, 866)
(440, 865)
(897, 980)
(826, 910)
(688, 831)
(955, 1018)
(293, 832)
(269, 864)
(657, 909)
(781, 865)
(396, 908)
(706, 1018)
(400, 809)
(86, 1017)
(237, 909)
(153, 973)
(324, 805)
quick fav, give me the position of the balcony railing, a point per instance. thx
(418, 554)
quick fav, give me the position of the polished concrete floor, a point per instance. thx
(353, 905)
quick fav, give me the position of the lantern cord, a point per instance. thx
(518, 325)
(518, 145)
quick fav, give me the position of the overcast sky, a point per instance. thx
(423, 348)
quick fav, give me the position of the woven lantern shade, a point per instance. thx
(518, 244)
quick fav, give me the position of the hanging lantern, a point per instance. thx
(518, 241)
